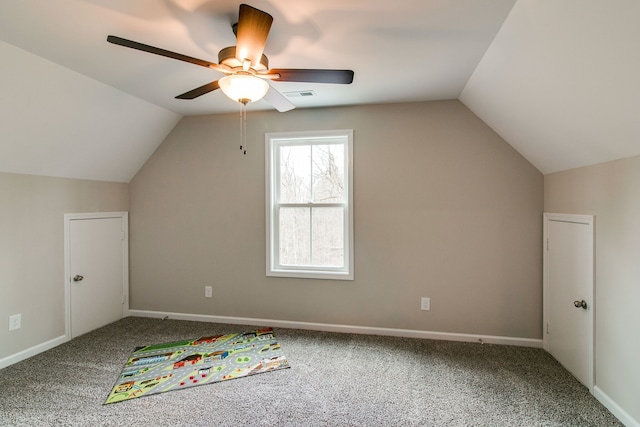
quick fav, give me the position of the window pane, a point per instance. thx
(295, 174)
(328, 237)
(295, 236)
(328, 173)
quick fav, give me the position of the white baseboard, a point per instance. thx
(614, 408)
(367, 330)
(30, 352)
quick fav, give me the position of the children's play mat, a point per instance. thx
(172, 366)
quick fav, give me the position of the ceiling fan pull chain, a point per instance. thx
(243, 128)
(241, 141)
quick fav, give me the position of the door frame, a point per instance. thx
(587, 220)
(124, 216)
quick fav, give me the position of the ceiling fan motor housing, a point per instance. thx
(227, 56)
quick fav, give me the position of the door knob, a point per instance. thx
(78, 278)
(581, 303)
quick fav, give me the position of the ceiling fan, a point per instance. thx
(245, 66)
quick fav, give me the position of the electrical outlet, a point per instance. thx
(425, 304)
(208, 291)
(15, 322)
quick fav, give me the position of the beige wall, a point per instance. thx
(444, 208)
(611, 192)
(32, 250)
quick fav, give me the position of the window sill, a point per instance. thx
(311, 274)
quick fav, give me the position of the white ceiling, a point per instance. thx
(561, 82)
(555, 78)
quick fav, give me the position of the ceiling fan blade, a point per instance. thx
(313, 76)
(199, 91)
(156, 50)
(278, 100)
(252, 33)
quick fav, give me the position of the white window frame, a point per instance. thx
(274, 268)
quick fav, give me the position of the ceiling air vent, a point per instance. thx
(300, 94)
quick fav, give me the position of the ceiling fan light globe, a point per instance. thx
(240, 87)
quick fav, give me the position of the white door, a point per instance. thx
(569, 293)
(97, 271)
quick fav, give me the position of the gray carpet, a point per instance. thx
(334, 380)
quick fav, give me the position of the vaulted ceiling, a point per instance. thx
(556, 79)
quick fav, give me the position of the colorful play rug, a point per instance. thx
(172, 366)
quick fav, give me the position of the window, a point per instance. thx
(310, 204)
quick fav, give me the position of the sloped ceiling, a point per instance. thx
(56, 122)
(561, 82)
(556, 79)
